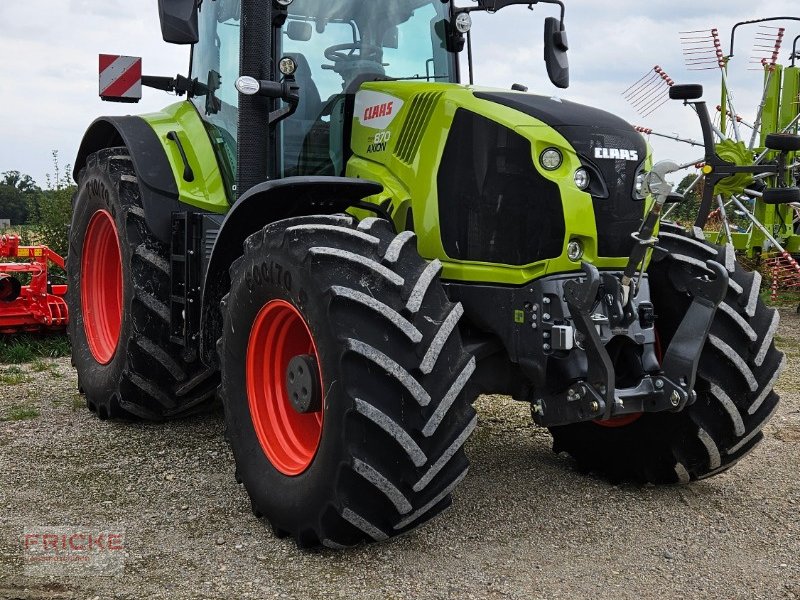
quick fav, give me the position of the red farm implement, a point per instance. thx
(37, 306)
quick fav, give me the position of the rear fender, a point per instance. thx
(159, 165)
(157, 183)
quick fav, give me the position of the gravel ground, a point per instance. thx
(524, 523)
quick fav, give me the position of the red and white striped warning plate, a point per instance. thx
(120, 78)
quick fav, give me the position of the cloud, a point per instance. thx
(110, 9)
(49, 79)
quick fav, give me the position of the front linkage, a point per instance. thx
(602, 306)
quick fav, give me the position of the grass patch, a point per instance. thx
(20, 413)
(13, 376)
(39, 366)
(78, 402)
(45, 366)
(19, 349)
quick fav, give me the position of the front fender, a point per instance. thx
(267, 203)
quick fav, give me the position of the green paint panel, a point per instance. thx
(790, 108)
(406, 161)
(207, 191)
(790, 97)
(771, 114)
(770, 118)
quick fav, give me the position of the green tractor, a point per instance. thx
(347, 246)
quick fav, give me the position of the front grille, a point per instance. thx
(494, 206)
(620, 214)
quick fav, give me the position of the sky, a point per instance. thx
(48, 75)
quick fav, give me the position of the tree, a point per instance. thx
(13, 205)
(17, 192)
(54, 208)
(24, 183)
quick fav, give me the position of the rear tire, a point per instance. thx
(394, 416)
(126, 364)
(737, 372)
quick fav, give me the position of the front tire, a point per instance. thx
(738, 370)
(118, 298)
(382, 449)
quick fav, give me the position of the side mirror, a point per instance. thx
(391, 39)
(555, 52)
(299, 31)
(179, 22)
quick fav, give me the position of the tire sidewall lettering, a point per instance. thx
(270, 273)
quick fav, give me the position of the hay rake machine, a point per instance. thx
(36, 306)
(750, 172)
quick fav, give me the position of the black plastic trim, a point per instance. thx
(556, 112)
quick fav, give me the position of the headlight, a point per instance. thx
(551, 159)
(638, 190)
(582, 179)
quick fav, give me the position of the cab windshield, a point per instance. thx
(396, 39)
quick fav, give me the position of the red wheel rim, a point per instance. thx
(289, 439)
(623, 421)
(101, 286)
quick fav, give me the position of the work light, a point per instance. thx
(551, 159)
(288, 66)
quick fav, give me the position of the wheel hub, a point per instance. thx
(302, 384)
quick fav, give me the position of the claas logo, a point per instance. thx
(377, 111)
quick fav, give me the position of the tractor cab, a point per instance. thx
(329, 49)
(337, 47)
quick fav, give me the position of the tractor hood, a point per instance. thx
(607, 145)
(475, 155)
(592, 131)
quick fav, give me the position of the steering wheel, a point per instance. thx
(346, 53)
